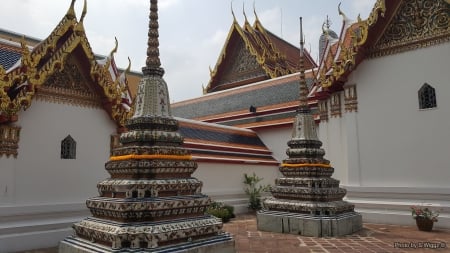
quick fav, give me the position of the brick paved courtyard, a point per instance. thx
(373, 238)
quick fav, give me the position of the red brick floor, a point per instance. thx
(373, 238)
(379, 238)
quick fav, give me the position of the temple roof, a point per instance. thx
(216, 143)
(26, 70)
(392, 27)
(252, 53)
(274, 102)
(9, 55)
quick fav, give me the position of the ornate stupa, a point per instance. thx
(151, 203)
(306, 200)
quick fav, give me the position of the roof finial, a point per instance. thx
(71, 11)
(83, 14)
(114, 50)
(254, 11)
(232, 12)
(303, 87)
(153, 63)
(243, 11)
(341, 12)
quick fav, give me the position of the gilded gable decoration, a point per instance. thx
(247, 66)
(323, 110)
(350, 98)
(335, 105)
(418, 23)
(67, 85)
(51, 71)
(9, 140)
(264, 55)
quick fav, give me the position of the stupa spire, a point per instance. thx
(152, 97)
(304, 124)
(153, 63)
(303, 87)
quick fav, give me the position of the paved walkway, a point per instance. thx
(373, 238)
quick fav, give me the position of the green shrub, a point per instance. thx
(253, 189)
(220, 210)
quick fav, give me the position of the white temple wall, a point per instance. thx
(401, 145)
(224, 181)
(41, 175)
(6, 179)
(402, 150)
(276, 140)
(47, 194)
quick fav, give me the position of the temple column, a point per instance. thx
(352, 136)
(353, 166)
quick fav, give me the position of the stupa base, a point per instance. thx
(222, 243)
(309, 225)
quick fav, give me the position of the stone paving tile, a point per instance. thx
(374, 238)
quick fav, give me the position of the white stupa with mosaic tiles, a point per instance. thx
(151, 203)
(306, 200)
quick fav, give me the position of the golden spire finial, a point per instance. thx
(153, 63)
(71, 11)
(83, 14)
(127, 70)
(327, 23)
(114, 50)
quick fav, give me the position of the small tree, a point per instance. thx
(253, 190)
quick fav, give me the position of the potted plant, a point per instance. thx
(253, 189)
(425, 217)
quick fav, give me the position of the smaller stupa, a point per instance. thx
(307, 201)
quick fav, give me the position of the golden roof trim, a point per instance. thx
(33, 71)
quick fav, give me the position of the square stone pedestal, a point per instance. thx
(308, 225)
(223, 243)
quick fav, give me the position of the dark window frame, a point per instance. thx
(68, 148)
(427, 97)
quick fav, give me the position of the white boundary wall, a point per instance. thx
(41, 195)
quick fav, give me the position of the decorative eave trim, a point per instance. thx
(351, 48)
(419, 43)
(9, 140)
(67, 96)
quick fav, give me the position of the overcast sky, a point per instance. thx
(192, 32)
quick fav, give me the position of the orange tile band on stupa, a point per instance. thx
(127, 157)
(306, 165)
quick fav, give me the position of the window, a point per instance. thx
(427, 97)
(68, 148)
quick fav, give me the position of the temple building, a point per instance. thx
(63, 108)
(379, 97)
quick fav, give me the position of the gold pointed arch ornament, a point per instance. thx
(333, 70)
(18, 84)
